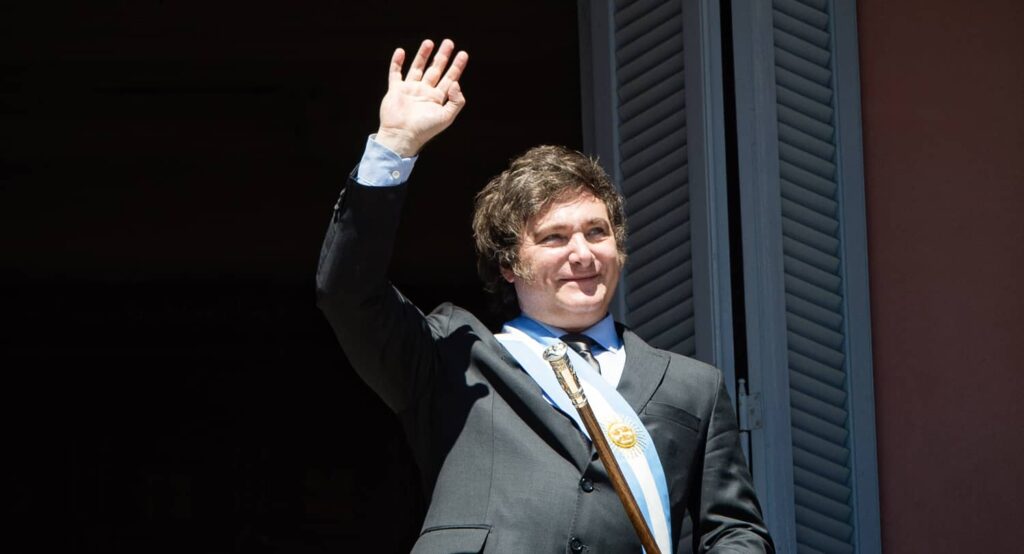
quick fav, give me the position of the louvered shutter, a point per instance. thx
(653, 171)
(640, 118)
(805, 284)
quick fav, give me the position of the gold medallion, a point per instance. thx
(622, 435)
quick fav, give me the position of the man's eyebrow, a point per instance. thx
(550, 227)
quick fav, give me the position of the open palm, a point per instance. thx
(423, 103)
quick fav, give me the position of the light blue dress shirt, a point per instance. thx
(380, 167)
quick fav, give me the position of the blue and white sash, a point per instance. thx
(526, 339)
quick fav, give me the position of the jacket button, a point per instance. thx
(587, 485)
(576, 545)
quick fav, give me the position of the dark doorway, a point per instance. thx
(166, 173)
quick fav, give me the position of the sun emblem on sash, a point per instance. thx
(623, 435)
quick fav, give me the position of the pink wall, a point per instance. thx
(943, 113)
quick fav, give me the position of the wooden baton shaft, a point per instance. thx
(558, 358)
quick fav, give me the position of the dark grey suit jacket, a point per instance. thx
(505, 470)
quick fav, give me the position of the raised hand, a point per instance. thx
(423, 103)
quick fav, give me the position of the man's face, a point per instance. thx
(571, 263)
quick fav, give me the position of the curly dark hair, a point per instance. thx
(532, 183)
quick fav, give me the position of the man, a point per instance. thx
(507, 465)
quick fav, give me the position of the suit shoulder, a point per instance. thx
(694, 366)
(447, 316)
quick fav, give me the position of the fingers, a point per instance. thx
(432, 76)
(395, 71)
(454, 71)
(419, 63)
(433, 73)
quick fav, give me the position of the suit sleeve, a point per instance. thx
(730, 517)
(385, 337)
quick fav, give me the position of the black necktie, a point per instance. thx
(582, 344)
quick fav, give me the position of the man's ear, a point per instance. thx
(508, 274)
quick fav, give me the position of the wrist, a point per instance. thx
(399, 142)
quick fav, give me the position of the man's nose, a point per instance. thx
(579, 252)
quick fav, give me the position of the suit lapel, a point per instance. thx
(527, 398)
(645, 368)
(644, 371)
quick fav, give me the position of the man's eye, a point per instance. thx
(597, 232)
(552, 239)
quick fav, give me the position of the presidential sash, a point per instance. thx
(632, 446)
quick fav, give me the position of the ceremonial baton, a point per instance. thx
(557, 356)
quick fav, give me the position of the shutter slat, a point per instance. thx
(813, 238)
(803, 160)
(665, 36)
(656, 150)
(820, 5)
(809, 255)
(652, 126)
(808, 199)
(816, 369)
(795, 133)
(665, 97)
(802, 85)
(806, 179)
(813, 331)
(822, 486)
(812, 293)
(812, 284)
(634, 19)
(811, 499)
(686, 347)
(801, 47)
(828, 526)
(672, 326)
(821, 466)
(801, 12)
(659, 253)
(799, 213)
(820, 446)
(812, 128)
(809, 385)
(652, 173)
(636, 79)
(670, 186)
(642, 75)
(660, 236)
(798, 28)
(628, 12)
(813, 538)
(639, 77)
(815, 351)
(809, 310)
(677, 294)
(642, 292)
(804, 104)
(819, 417)
(802, 67)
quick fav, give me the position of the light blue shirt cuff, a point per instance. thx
(380, 167)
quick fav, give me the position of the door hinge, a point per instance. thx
(751, 411)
